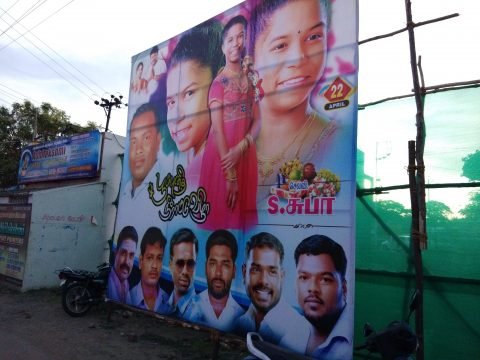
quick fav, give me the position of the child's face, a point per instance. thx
(139, 70)
(290, 53)
(234, 42)
(187, 101)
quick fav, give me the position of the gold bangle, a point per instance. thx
(243, 145)
(231, 174)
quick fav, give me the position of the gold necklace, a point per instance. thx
(236, 79)
(237, 74)
(266, 165)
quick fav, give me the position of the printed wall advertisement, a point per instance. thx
(70, 157)
(14, 230)
(236, 208)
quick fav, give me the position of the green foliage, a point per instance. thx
(25, 123)
(437, 211)
(471, 166)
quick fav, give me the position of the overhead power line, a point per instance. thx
(59, 74)
(58, 54)
(14, 97)
(36, 25)
(11, 6)
(56, 62)
(19, 93)
(25, 14)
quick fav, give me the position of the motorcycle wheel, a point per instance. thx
(75, 300)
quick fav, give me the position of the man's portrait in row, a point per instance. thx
(147, 294)
(118, 285)
(321, 289)
(263, 276)
(215, 306)
(183, 260)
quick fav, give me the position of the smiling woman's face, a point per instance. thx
(187, 102)
(290, 53)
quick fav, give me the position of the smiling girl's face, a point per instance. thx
(187, 101)
(290, 53)
(233, 44)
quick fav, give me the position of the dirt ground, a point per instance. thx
(34, 326)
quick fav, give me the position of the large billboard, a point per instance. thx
(70, 157)
(236, 208)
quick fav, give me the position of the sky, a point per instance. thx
(100, 37)
(90, 43)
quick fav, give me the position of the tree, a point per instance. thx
(9, 148)
(471, 166)
(26, 123)
(437, 211)
(471, 170)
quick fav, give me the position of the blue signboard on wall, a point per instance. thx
(70, 157)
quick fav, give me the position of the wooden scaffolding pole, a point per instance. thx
(417, 182)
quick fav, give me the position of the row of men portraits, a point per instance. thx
(295, 288)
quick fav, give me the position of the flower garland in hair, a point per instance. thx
(254, 78)
(257, 85)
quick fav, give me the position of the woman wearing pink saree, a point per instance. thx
(229, 169)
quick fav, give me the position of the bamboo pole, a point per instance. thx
(399, 31)
(418, 191)
(417, 255)
(428, 90)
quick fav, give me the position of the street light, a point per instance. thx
(107, 105)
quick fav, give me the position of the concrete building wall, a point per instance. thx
(71, 225)
(65, 230)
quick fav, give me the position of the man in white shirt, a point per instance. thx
(263, 277)
(147, 294)
(321, 293)
(135, 206)
(118, 286)
(215, 306)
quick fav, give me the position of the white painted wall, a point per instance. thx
(61, 232)
(111, 175)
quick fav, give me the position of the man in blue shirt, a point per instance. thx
(183, 259)
(263, 277)
(215, 306)
(321, 294)
(118, 286)
(147, 294)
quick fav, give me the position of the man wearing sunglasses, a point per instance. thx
(215, 307)
(183, 257)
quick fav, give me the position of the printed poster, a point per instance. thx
(236, 209)
(14, 230)
(71, 157)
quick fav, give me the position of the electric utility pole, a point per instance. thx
(107, 105)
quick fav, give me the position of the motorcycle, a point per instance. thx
(81, 288)
(396, 342)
